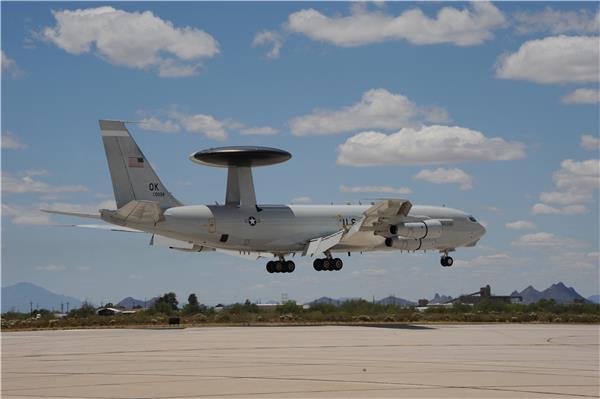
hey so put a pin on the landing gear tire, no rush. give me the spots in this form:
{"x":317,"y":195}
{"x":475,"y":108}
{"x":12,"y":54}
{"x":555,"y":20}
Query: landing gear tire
{"x":318,"y":264}
{"x":279,"y":266}
{"x":337,"y":264}
{"x":328,"y":264}
{"x":271,"y":266}
{"x":447,"y":261}
{"x":290,"y":266}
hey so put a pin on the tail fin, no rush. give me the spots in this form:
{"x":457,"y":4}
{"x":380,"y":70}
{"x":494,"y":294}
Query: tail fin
{"x":132,"y":176}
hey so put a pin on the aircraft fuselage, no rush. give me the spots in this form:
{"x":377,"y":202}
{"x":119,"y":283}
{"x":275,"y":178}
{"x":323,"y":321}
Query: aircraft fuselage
{"x":287,"y":228}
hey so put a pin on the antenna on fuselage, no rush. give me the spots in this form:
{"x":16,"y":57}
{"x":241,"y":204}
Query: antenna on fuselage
{"x":239,"y":162}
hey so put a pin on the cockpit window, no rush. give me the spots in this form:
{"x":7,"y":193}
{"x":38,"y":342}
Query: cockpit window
{"x":472,"y":219}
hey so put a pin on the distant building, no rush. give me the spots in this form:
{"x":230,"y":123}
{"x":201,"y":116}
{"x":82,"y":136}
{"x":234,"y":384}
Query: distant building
{"x":113,"y":312}
{"x":485,"y":293}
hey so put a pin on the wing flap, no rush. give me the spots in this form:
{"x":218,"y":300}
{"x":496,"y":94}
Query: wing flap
{"x":322,"y":244}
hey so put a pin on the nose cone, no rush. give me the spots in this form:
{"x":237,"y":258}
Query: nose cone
{"x":480,"y":230}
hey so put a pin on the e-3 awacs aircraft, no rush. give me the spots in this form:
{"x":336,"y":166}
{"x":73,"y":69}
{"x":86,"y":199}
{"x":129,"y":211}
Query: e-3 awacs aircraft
{"x":243,"y":227}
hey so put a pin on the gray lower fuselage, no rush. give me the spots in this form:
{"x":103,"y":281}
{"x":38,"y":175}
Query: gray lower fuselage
{"x":287,"y":228}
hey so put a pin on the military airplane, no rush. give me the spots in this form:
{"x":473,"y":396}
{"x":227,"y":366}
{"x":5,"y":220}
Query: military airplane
{"x":245,"y":228}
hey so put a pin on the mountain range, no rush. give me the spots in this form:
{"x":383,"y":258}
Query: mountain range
{"x":594,"y":298}
{"x":21,"y":297}
{"x":132,"y":303}
{"x":559,"y":292}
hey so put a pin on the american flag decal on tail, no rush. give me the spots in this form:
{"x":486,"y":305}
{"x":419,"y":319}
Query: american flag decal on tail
{"x":135,"y":162}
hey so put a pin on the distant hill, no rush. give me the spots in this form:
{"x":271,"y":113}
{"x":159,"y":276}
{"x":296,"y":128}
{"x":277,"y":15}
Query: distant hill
{"x":325,"y":300}
{"x":331,"y":301}
{"x":529,"y":294}
{"x":594,"y":298}
{"x":393,"y":300}
{"x":131,"y":303}
{"x":440,"y":298}
{"x":559,"y":292}
{"x":18,"y":297}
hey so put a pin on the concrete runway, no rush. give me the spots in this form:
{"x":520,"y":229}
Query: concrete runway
{"x":524,"y":361}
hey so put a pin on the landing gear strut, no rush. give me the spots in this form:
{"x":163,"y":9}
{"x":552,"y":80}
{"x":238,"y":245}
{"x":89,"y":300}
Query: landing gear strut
{"x":328,"y":264}
{"x":281,"y":266}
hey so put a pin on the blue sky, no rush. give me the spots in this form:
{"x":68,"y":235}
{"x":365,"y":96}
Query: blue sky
{"x":490,"y":108}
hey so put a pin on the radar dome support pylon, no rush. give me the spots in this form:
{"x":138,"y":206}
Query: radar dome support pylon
{"x":239,"y":162}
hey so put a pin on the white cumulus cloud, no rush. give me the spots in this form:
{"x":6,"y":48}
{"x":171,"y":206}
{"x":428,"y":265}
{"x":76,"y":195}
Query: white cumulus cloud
{"x":590,"y":142}
{"x":23,"y":215}
{"x":51,"y":268}
{"x":446,"y":176}
{"x":9,"y":66}
{"x":377,"y":109}
{"x":575,"y":182}
{"x":520,"y":225}
{"x":462,"y":27}
{"x":556,"y":59}
{"x":582,"y":96}
{"x":259,"y":131}
{"x":11,"y":142}
{"x":544,"y":209}
{"x":301,"y":200}
{"x":547,"y":240}
{"x":155,"y":124}
{"x":426,"y":145}
{"x":269,"y":38}
{"x":556,"y":22}
{"x":207,"y":125}
{"x":376,"y":189}
{"x":12,"y":184}
{"x":133,"y":39}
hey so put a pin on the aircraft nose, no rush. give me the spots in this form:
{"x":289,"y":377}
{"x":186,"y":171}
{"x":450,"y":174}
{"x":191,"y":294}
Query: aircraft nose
{"x":481,"y":230}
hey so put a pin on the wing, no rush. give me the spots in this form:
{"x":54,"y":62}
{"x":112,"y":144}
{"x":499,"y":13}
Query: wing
{"x":384,"y":212}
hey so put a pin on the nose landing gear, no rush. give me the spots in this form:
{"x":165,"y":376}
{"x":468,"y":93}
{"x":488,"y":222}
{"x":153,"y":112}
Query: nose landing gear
{"x":446,"y":260}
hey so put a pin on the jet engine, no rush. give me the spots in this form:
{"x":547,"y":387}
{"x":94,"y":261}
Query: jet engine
{"x":409,"y":244}
{"x":426,"y":229}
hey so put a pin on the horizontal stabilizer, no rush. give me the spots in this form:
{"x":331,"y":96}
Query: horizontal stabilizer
{"x":140,"y":212}
{"x":103,"y":227}
{"x":77,"y":214}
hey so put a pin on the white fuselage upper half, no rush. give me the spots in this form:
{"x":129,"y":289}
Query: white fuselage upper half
{"x":283,"y":229}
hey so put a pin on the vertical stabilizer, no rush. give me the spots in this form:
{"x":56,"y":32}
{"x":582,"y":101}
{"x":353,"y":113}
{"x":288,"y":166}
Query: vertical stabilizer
{"x":132,"y":175}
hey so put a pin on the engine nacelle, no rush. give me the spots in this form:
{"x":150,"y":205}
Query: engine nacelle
{"x":426,"y":229}
{"x":410,"y":244}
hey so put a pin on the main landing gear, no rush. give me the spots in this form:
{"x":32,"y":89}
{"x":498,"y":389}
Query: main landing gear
{"x":328,"y":264}
{"x":281,"y":266}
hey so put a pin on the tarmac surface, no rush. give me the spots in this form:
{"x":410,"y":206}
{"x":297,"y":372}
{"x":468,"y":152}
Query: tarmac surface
{"x":458,"y":361}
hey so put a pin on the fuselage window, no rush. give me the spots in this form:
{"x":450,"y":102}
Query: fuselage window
{"x":472,"y":219}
